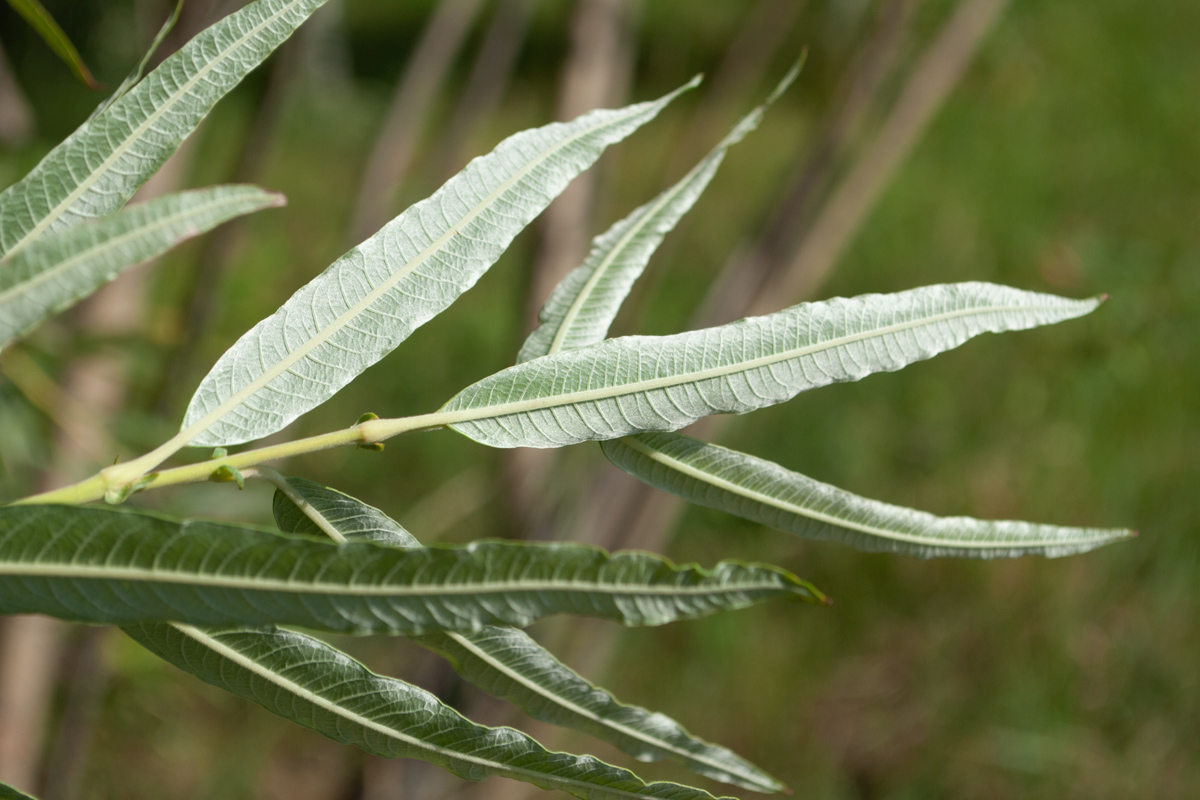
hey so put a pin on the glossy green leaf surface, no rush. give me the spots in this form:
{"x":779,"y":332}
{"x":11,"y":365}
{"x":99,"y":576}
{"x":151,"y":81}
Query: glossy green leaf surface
{"x":644,"y":383}
{"x":765,"y":492}
{"x":315,"y":685}
{"x":63,"y":267}
{"x":506,"y":662}
{"x":99,"y":166}
{"x":370,"y":300}
{"x":582,"y":307}
{"x":113,"y":566}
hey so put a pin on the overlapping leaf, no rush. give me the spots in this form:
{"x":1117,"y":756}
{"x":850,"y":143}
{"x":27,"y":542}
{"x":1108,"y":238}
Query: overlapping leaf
{"x":111,"y":566}
{"x":354,"y":519}
{"x":99,"y":167}
{"x":311,"y":683}
{"x":506,"y":662}
{"x":583,"y":305}
{"x":62,"y":268}
{"x":644,"y":383}
{"x":371,"y":299}
{"x":765,"y":492}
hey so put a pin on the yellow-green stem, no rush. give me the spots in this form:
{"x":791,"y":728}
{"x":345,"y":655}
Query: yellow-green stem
{"x":97,"y":486}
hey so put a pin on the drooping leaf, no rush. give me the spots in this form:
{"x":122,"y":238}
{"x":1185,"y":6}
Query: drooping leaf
{"x":765,"y":492}
{"x":41,"y":21}
{"x":648,"y":383}
{"x":63,"y":267}
{"x":353,"y":518}
{"x":582,"y":307}
{"x":507,"y":663}
{"x":99,"y":166}
{"x":136,"y":75}
{"x":372,"y":298}
{"x":309,"y":682}
{"x":114,"y":567}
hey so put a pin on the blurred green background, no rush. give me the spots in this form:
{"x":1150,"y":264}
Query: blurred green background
{"x":1067,"y":159}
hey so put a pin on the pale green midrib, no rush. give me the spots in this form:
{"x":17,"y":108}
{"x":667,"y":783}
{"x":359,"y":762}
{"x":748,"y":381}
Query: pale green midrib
{"x":583,"y":712}
{"x":109,"y":244}
{"x":840,"y":522}
{"x":274,"y":677}
{"x":87,"y":571}
{"x":250,"y":389}
{"x":129,"y":141}
{"x":475,"y":413}
{"x":569,"y":318}
{"x":739,"y":132}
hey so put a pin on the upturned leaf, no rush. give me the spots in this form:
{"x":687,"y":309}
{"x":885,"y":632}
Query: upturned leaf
{"x":99,"y":166}
{"x":115,"y":567}
{"x":63,"y":267}
{"x":309,"y":682}
{"x":371,"y":299}
{"x":647,"y":383}
{"x":759,"y":490}
{"x":583,"y":305}
{"x":508,"y":663}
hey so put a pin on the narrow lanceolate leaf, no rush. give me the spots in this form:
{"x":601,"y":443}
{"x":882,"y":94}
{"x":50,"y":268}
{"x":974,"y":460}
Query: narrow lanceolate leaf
{"x":41,"y":21}
{"x":354,"y":519}
{"x":765,"y":492}
{"x":311,"y":683}
{"x":647,"y":383}
{"x":61,"y":268}
{"x":371,"y":299}
{"x":582,"y":307}
{"x":99,"y":167}
{"x":505,"y":662}
{"x":136,"y":74}
{"x":115,"y":567}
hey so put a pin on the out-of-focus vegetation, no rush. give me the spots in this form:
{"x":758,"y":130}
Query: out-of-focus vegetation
{"x":1066,"y":160}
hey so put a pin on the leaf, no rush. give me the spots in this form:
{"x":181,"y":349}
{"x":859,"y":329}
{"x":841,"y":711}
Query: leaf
{"x":583,"y":305}
{"x":114,"y":567}
{"x":309,"y":682}
{"x":99,"y":167}
{"x":353,"y":518}
{"x":41,"y":21}
{"x":765,"y":492}
{"x":646,"y":383}
{"x":507,"y":663}
{"x":371,"y":299}
{"x":64,"y":267}
{"x":9,"y":793}
{"x":136,"y":75}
